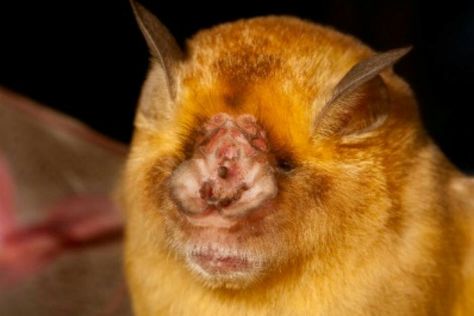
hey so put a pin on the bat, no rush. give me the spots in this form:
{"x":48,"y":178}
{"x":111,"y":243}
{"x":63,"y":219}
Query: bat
{"x":279,"y":167}
{"x":60,"y":231}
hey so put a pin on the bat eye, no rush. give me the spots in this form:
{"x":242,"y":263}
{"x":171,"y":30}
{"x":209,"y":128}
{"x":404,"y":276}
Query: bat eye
{"x":285,"y":164}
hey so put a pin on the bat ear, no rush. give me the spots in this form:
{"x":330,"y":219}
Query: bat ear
{"x":157,"y":101}
{"x":360,"y":100}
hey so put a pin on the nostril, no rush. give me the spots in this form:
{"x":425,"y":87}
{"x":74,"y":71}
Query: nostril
{"x":222,"y":172}
{"x":225,"y":202}
{"x":206,"y":191}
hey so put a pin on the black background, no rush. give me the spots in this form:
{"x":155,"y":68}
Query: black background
{"x":87,"y":58}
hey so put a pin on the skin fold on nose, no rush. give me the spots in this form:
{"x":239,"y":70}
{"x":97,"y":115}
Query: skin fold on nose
{"x":228,"y":145}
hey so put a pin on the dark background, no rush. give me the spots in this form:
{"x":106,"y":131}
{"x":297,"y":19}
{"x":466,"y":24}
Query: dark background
{"x":87,"y":58}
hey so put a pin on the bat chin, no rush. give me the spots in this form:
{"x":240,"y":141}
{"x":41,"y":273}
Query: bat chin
{"x":220,"y":266}
{"x":220,"y":250}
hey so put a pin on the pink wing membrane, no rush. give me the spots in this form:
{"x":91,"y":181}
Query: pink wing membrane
{"x":58,"y":220}
{"x":7,"y":216}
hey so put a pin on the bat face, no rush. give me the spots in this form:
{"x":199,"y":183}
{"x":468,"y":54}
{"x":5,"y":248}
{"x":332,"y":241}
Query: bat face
{"x":233,"y":199}
{"x":254,"y":154}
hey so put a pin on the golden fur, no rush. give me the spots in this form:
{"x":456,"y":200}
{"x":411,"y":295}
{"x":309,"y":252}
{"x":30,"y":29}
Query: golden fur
{"x":373,"y":224}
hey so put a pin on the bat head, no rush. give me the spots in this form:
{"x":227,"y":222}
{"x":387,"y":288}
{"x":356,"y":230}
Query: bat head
{"x":269,"y":143}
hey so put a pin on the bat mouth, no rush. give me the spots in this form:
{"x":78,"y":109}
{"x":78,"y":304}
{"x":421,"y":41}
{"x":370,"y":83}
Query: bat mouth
{"x":211,"y":218}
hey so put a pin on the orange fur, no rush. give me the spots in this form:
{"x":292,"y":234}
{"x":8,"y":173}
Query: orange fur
{"x":372,"y":224}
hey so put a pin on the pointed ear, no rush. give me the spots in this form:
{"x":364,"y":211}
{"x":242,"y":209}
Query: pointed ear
{"x":360,"y":100}
{"x":167,"y":54}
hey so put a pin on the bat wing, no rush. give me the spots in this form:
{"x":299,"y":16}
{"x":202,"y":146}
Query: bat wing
{"x":60,"y":231}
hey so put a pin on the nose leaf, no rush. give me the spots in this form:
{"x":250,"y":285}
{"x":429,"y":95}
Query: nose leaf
{"x":233,"y":150}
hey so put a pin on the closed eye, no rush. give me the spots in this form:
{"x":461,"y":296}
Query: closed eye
{"x":285,"y":164}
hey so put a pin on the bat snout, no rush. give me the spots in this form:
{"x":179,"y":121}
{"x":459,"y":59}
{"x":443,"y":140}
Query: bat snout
{"x":229,"y":176}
